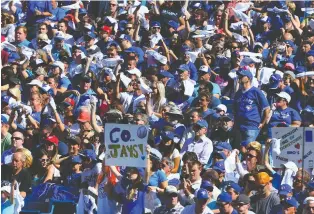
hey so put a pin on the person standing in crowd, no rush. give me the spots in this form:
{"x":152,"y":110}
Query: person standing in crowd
{"x":251,"y":108}
{"x":208,"y":80}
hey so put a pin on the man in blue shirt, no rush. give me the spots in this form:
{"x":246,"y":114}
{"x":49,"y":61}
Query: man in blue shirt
{"x":20,"y":37}
{"x":251,"y":108}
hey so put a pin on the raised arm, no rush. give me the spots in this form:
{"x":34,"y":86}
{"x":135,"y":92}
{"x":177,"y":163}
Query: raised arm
{"x":226,"y":27}
{"x":98,"y":129}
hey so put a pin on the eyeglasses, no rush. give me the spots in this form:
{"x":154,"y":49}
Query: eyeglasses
{"x":286,"y":77}
{"x":310,"y":208}
{"x":137,"y":119}
{"x":156,"y":28}
{"x":16,"y":138}
{"x":222,"y":204}
{"x":173,"y":195}
{"x":250,"y":156}
{"x":44,"y":160}
{"x":298,"y":181}
{"x":279,"y":99}
{"x":240,"y":204}
{"x":128,"y":28}
{"x":261,"y":187}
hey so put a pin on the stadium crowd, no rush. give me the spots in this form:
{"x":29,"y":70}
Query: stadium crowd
{"x":210,"y":79}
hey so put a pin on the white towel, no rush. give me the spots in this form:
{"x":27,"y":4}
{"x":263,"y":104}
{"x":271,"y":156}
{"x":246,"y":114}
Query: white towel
{"x":276,"y":145}
{"x":242,"y":16}
{"x":288,"y":177}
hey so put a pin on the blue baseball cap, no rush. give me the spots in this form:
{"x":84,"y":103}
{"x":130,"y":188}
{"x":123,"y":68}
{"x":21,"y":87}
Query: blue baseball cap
{"x":4,"y":118}
{"x":76,"y":159}
{"x":82,"y":11}
{"x":221,"y":154}
{"x":202,"y":123}
{"x":90,"y":34}
{"x":234,"y":186}
{"x":291,"y":201}
{"x":265,"y":19}
{"x":204,"y":69}
{"x":310,"y":53}
{"x":300,"y":69}
{"x":311,"y":185}
{"x":290,"y":43}
{"x":206,"y":185}
{"x":224,"y":197}
{"x":173,"y":24}
{"x":274,"y":81}
{"x":89,"y":153}
{"x":224,"y":145}
{"x":245,"y":143}
{"x":220,"y":166}
{"x":165,"y":74}
{"x":168,"y":135}
{"x":245,"y":72}
{"x":155,"y":24}
{"x":285,"y":189}
{"x":202,"y":194}
{"x":184,"y":68}
{"x":185,"y":48}
{"x":5,"y":98}
{"x":125,"y":37}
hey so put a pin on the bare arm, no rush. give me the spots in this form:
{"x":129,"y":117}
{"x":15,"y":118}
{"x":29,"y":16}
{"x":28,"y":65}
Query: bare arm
{"x":265,"y":116}
{"x":182,"y":24}
{"x":226,"y":27}
{"x":176,"y":165}
{"x":98,"y":129}
{"x":266,"y":155}
{"x":49,"y":175}
{"x":11,"y":122}
{"x":274,"y":61}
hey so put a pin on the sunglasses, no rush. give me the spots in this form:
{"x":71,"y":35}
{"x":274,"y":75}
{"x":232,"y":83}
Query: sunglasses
{"x":261,"y":187}
{"x":222,"y":204}
{"x":250,"y":156}
{"x":240,"y":204}
{"x":156,"y":28}
{"x":16,"y":138}
{"x":128,"y":28}
{"x":173,"y":195}
{"x":310,"y":208}
{"x":44,"y":160}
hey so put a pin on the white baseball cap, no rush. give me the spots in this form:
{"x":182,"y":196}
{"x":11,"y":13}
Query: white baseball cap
{"x":58,"y":64}
{"x":222,"y":107}
{"x":6,"y":189}
{"x":284,"y":95}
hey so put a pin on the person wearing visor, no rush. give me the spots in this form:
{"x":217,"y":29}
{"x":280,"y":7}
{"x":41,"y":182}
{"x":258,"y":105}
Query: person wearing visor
{"x":172,"y":204}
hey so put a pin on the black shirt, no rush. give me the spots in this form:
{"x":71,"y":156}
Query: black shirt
{"x":23,"y":178}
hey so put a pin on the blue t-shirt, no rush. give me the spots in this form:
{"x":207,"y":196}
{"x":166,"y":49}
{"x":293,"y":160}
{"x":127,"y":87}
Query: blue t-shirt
{"x":135,"y":205}
{"x":64,"y":82}
{"x":7,"y":207}
{"x":41,"y":6}
{"x":157,"y":178}
{"x":286,"y":116}
{"x":248,"y":107}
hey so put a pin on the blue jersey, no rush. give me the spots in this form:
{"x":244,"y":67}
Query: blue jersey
{"x":286,"y":116}
{"x":248,"y":108}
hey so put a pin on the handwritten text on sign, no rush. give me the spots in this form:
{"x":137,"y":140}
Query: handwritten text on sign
{"x":291,"y":146}
{"x":126,"y":145}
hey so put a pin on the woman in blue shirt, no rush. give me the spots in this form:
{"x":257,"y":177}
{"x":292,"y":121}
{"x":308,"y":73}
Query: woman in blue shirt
{"x":131,"y":192}
{"x":284,"y":115}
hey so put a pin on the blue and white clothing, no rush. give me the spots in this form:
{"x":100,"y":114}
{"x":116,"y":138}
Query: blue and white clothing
{"x":284,"y":116}
{"x":248,"y":108}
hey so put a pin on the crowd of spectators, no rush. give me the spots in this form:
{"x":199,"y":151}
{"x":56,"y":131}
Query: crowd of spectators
{"x":210,"y":79}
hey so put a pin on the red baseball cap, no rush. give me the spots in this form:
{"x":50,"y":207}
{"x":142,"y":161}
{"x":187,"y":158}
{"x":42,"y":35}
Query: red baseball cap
{"x":84,"y":116}
{"x":106,"y":29}
{"x":69,"y":101}
{"x":53,"y":139}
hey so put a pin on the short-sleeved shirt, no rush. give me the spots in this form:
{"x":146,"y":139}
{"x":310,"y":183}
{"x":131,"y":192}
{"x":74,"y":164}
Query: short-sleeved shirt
{"x":286,"y":116}
{"x":248,"y":108}
{"x":7,"y":207}
{"x":157,"y":178}
{"x":6,"y":142}
{"x":23,"y":178}
{"x":264,"y":205}
{"x":90,"y":175}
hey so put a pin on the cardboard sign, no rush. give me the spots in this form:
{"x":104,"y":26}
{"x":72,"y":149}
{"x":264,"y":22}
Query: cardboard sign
{"x":292,"y":141}
{"x":126,"y":144}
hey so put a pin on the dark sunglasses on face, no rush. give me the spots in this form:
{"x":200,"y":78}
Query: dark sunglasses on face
{"x":250,"y":156}
{"x":173,"y":195}
{"x":310,"y":208}
{"x":44,"y":160}
{"x":16,"y":138}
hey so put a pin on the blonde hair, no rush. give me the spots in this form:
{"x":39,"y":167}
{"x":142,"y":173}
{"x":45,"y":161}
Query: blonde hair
{"x":28,"y":157}
{"x":161,"y":95}
{"x":291,"y":6}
